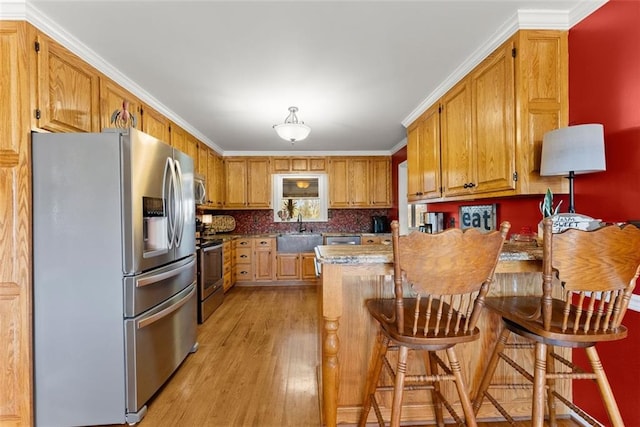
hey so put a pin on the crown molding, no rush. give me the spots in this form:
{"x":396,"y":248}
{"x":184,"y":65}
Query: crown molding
{"x":13,"y":10}
{"x":290,"y":153}
{"x":523,"y":19}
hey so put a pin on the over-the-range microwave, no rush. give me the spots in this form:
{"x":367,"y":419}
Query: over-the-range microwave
{"x":199,"y":189}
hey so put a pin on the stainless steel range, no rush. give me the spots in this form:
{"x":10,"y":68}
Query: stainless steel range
{"x":210,"y":277}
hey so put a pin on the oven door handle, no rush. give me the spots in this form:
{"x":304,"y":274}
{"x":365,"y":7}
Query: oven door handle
{"x":164,"y":313}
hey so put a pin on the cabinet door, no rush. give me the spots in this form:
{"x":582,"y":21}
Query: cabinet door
{"x":456,"y":145}
{"x":308,"y":266}
{"x":423,"y":155}
{"x":155,"y":124}
{"x":263,"y":264}
{"x":191,"y":148}
{"x":493,"y":98}
{"x":203,"y":155}
{"x":178,"y":137}
{"x":236,"y":183}
{"x":214,"y":185}
{"x":380,"y":185}
{"x":68,"y":90}
{"x":359,"y":182}
{"x":288,"y":267}
{"x":317,"y":164}
{"x":339,"y":183}
{"x":112,"y":97}
{"x":258,"y":183}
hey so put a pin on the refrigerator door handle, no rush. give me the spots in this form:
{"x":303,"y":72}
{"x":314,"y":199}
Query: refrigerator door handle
{"x":169,"y":199}
{"x":166,"y":312}
{"x":179,"y":204}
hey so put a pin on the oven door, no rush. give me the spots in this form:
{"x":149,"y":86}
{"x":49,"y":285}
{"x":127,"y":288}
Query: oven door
{"x":210,"y":281}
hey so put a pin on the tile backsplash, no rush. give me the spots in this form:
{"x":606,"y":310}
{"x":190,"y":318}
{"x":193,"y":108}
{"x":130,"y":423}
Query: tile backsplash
{"x":340,"y":220}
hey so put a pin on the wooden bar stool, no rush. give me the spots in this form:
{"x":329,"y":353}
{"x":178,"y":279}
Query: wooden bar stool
{"x":597,"y":271}
{"x":450,"y":274}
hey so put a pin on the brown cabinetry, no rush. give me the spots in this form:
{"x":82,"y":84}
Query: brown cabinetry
{"x":478,"y":129}
{"x":298,"y":164}
{"x":112,"y":98}
{"x":255,"y":259}
{"x":248,"y":183}
{"x":492,"y":122}
{"x":383,"y":239}
{"x":154,"y":123}
{"x":226,"y":266}
{"x":359,"y":182}
{"x":67,"y":90}
{"x":297,"y":266}
{"x":423,"y":157}
{"x":214,"y":179}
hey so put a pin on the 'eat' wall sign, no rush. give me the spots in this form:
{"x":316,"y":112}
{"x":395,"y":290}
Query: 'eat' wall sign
{"x":482,"y":217}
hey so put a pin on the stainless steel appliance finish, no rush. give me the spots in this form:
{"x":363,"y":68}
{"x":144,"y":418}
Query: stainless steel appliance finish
{"x":210,"y":278}
{"x":199,"y":189}
{"x":342,"y":240}
{"x":114,"y":273}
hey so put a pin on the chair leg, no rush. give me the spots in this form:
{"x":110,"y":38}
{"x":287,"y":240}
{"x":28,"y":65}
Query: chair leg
{"x":605,"y":388}
{"x":399,"y":386}
{"x":462,"y":389}
{"x":551,"y":400}
{"x":490,"y":369}
{"x":431,"y":367}
{"x":539,"y":380}
{"x":379,"y":352}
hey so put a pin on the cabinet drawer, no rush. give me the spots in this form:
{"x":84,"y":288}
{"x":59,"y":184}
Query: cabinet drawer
{"x":264,"y":242}
{"x":243,"y":255}
{"x":242,"y":243}
{"x":244,"y":273}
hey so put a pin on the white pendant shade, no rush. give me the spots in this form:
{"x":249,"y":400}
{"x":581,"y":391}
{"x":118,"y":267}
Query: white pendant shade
{"x":292,"y":129}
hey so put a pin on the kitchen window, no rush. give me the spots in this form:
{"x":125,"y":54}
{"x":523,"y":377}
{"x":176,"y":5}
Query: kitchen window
{"x":300,"y":198}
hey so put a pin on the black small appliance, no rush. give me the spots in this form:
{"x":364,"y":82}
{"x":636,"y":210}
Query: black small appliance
{"x":380,"y":224}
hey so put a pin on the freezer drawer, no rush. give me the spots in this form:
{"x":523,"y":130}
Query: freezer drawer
{"x":156,"y":343}
{"x":147,"y":290}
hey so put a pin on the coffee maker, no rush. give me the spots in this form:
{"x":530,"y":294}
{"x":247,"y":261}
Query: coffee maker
{"x":380,"y":224}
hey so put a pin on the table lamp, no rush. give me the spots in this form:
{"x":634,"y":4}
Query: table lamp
{"x":571,"y":151}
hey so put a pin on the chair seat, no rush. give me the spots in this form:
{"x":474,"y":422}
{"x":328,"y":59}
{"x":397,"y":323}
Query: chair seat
{"x":382,"y":309}
{"x":522,"y":316}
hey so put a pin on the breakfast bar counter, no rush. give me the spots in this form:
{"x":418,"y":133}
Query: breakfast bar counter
{"x":349,"y":275}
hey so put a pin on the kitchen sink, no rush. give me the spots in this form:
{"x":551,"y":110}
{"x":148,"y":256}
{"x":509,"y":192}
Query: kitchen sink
{"x":298,"y":242}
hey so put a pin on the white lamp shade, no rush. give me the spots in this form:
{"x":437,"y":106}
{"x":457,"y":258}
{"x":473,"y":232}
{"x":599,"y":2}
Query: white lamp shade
{"x":292,"y":131}
{"x":578,"y":149}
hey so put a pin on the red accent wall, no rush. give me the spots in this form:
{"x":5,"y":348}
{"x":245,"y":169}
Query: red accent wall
{"x":604,"y":87}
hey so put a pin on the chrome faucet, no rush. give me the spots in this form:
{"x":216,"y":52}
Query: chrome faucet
{"x":301,"y":226}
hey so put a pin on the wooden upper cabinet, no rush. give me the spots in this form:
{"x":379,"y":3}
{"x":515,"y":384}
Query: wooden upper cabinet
{"x":380,"y":188}
{"x":154,"y":123}
{"x":178,"y":137}
{"x":339,"y":183}
{"x":493,"y":116}
{"x":191,"y":148}
{"x":542,"y":103}
{"x":259,"y":183}
{"x":493,"y":121}
{"x":458,"y":175}
{"x":423,"y":157}
{"x":359,"y":182}
{"x":248,"y":182}
{"x":201,"y":164}
{"x":67,"y":90}
{"x":112,"y":98}
{"x":298,"y":164}
{"x":215,"y":185}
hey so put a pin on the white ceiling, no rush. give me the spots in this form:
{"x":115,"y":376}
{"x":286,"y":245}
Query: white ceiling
{"x":357,"y":70}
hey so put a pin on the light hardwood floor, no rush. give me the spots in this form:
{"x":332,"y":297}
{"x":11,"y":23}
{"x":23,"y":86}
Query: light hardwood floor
{"x":255,"y":366}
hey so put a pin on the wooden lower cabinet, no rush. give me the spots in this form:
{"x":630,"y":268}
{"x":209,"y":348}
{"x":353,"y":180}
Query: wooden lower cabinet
{"x":254,"y":259}
{"x":227,"y":266}
{"x":296,"y":266}
{"x":308,"y":266}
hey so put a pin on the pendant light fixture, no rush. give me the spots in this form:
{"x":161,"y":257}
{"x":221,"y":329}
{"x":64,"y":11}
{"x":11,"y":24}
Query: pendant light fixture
{"x":292,"y":129}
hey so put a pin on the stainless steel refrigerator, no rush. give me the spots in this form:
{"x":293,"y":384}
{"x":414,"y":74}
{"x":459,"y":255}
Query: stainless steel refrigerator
{"x":114,"y":273}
